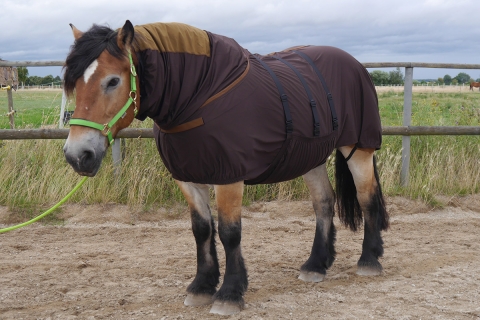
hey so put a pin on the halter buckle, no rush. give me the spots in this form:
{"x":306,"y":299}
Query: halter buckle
{"x":132,"y":70}
{"x":106,"y":130}
{"x":133,"y":95}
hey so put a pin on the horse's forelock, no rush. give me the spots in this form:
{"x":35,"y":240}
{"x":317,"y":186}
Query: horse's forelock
{"x":85,"y":50}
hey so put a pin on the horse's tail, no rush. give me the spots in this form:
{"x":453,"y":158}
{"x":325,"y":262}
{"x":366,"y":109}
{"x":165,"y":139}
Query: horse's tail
{"x":349,"y":210}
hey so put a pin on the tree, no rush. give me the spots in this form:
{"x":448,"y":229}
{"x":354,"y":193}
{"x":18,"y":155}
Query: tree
{"x":395,"y":77}
{"x":454,"y":81}
{"x":462,"y":78}
{"x":47,"y":79}
{"x":447,"y":79}
{"x":478,"y":80}
{"x":379,"y":77}
{"x":440,"y":81}
{"x":22,"y":75}
{"x":33,"y":80}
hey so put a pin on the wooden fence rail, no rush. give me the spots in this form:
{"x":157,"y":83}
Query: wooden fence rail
{"x":134,"y":133}
{"x":60,"y":63}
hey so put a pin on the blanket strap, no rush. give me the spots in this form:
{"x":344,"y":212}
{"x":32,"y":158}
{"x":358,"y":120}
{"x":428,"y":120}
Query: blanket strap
{"x":325,"y":87}
{"x":313,"y":104}
{"x":184,"y":126}
{"x":351,"y":153}
{"x":283,"y":96}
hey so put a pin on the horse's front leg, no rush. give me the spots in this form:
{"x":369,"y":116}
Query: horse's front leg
{"x":229,"y":299}
{"x":203,"y":287}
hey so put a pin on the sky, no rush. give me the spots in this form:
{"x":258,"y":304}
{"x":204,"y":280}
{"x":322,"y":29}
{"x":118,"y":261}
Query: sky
{"x":372,"y":31}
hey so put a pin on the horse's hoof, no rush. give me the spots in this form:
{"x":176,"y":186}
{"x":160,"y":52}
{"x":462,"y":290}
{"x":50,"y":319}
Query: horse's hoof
{"x":195,"y":300}
{"x":370,"y":270}
{"x":226,"y":308}
{"x":311,"y":276}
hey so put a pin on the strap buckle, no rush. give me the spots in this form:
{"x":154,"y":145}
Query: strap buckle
{"x":335,"y":123}
{"x":316,"y":129}
{"x":289,"y":125}
{"x":106,"y":129}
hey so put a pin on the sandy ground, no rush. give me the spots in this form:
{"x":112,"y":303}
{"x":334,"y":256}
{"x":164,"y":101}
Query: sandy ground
{"x":112,"y":262}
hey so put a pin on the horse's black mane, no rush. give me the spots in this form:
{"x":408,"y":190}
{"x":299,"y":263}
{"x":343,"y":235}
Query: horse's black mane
{"x":85,"y":50}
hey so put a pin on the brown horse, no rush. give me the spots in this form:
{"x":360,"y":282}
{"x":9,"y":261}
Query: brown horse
{"x":474,"y":84}
{"x":225,"y":118}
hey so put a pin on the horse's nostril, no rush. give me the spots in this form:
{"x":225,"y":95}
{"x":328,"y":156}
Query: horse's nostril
{"x":87,"y":159}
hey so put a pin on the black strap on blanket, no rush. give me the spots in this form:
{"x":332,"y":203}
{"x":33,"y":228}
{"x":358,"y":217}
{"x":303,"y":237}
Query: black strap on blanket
{"x":351,"y":153}
{"x":313,"y":104}
{"x":283,"y":96}
{"x":325,"y":87}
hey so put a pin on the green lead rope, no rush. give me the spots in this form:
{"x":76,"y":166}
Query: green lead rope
{"x":46,"y":213}
{"x":104,"y":128}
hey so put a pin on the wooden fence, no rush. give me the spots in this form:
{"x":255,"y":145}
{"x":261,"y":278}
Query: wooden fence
{"x":405,"y":131}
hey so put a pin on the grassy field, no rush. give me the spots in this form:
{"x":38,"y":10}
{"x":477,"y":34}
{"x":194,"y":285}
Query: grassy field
{"x":33,"y":108}
{"x":34,"y":174}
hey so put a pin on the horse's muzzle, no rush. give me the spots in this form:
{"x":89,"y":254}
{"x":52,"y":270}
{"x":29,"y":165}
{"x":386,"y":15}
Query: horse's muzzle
{"x":85,"y":162}
{"x":84,"y":150}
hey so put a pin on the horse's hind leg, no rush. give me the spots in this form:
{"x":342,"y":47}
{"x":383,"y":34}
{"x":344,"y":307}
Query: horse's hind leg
{"x":229,"y":298}
{"x":323,"y":251}
{"x":363,"y":169}
{"x":203,"y":287}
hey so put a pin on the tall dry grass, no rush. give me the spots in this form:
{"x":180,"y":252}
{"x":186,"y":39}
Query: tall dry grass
{"x":438,"y":166}
{"x":34,"y":173}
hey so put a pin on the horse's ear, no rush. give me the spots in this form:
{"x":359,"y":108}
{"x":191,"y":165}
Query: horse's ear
{"x":76,"y":33}
{"x":125,"y":36}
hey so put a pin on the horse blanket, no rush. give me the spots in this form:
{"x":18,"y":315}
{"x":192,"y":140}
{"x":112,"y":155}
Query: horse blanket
{"x":219,"y":117}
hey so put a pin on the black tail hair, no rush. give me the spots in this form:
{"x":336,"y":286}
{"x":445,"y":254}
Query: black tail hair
{"x":348,"y":208}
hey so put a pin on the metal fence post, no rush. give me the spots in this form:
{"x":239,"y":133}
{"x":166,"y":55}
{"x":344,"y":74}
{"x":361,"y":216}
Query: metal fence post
{"x":117,"y":156}
{"x":407,"y":120}
{"x":62,"y":110}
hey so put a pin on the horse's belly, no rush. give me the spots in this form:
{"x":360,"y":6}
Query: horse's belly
{"x":297,"y":156}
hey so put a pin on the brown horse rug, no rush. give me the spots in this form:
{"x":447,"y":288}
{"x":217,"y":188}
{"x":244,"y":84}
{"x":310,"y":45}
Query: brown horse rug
{"x":224,"y":115}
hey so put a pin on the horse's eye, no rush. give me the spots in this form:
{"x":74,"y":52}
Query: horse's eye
{"x":113,"y":82}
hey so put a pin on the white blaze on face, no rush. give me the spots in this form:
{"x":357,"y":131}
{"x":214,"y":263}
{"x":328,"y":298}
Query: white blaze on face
{"x":90,"y":71}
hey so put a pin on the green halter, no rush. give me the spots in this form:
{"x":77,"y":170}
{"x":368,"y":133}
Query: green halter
{"x":105,"y":128}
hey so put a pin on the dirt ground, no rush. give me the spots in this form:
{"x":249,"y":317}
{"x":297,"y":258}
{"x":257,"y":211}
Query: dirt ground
{"x":112,"y":262}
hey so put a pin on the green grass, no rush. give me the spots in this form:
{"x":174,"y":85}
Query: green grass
{"x":432,"y":109}
{"x":34,"y":174}
{"x":33,"y":108}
